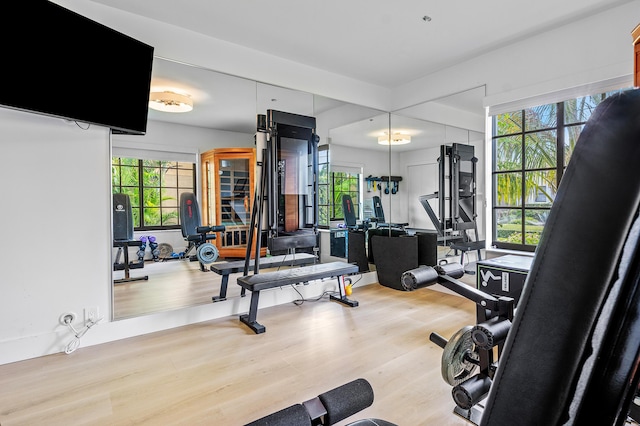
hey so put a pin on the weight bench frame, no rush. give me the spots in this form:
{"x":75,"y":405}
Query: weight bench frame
{"x":227,"y":268}
{"x":266,"y":280}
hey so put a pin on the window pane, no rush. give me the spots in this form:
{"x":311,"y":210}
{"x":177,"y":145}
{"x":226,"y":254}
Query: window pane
{"x":128,"y":176}
{"x":508,"y":152}
{"x":151,"y":176}
{"x":170,"y":177}
{"x":571,"y":135}
{"x":185,"y":178}
{"x":129,"y":161}
{"x":508,"y":123}
{"x":535,"y":220}
{"x":509,"y":225}
{"x":151,"y":197}
{"x":508,"y":189}
{"x":151,"y":217}
{"x":115,"y":176}
{"x":136,"y":216}
{"x":323,"y":194}
{"x":541,"y":117}
{"x":540,"y":188}
{"x":133,"y":194}
{"x":323,"y":173}
{"x":541,"y":150}
{"x":169,"y":197}
{"x":169,"y":216}
{"x":579,"y":110}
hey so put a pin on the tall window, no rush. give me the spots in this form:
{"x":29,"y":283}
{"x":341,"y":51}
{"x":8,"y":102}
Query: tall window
{"x":324,"y":196}
{"x":331,"y":186}
{"x":154,"y":188}
{"x":531,"y":150}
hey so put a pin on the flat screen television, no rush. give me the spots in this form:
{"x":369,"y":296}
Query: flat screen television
{"x":59,"y":63}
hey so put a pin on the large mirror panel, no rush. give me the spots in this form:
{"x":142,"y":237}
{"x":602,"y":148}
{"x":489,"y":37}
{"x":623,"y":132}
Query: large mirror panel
{"x":442,"y":164}
{"x":224,"y":115}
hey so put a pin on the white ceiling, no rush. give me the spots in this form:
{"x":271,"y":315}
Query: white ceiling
{"x":384,"y":42}
{"x":380,"y":42}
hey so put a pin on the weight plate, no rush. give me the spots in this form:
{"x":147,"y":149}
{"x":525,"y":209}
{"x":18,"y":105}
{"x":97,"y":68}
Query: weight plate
{"x":207,"y":253}
{"x":456,"y":363}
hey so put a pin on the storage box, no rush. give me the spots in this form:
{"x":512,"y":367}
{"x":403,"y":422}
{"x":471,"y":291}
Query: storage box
{"x":504,"y":275}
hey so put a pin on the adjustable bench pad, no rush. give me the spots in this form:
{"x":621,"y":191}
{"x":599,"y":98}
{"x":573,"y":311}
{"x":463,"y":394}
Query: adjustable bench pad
{"x":225,"y":268}
{"x":273,"y":279}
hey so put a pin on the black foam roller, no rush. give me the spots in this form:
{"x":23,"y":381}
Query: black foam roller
{"x":471,"y":391}
{"x":453,"y":270}
{"x":346,"y":400}
{"x":294,"y":415}
{"x":419,"y":277}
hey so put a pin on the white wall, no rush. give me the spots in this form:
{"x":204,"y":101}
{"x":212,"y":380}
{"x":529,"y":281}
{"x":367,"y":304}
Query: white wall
{"x":56,"y":229}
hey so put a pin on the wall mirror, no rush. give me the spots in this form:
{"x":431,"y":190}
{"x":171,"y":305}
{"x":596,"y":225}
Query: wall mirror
{"x":224,"y":115}
{"x":456,"y":118}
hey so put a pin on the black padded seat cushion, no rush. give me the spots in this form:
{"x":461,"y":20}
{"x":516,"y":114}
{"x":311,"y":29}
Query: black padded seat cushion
{"x":573,"y":270}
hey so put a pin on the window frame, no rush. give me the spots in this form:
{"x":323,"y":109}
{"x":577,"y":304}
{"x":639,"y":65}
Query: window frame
{"x":561,"y":129}
{"x":140,"y":188}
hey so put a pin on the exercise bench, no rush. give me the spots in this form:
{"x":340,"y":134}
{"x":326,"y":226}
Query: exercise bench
{"x":263,"y":281}
{"x":231,"y":267}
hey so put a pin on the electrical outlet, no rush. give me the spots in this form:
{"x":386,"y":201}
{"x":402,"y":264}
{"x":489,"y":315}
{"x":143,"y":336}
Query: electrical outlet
{"x":91,"y":314}
{"x":67,"y":318}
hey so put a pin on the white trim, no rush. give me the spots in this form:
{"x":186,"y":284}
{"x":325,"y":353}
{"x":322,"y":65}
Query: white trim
{"x":499,"y":104}
{"x":146,"y":151}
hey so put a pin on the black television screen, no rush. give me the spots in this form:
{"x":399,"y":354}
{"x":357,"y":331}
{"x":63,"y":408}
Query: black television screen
{"x":59,"y":63}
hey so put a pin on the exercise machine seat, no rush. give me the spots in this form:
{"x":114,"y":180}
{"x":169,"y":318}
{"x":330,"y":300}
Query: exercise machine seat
{"x":571,"y":354}
{"x":123,"y":229}
{"x":348,"y":211}
{"x":192,"y":230}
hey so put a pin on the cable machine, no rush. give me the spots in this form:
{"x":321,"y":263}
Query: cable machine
{"x":285,"y":211}
{"x":457,"y":211}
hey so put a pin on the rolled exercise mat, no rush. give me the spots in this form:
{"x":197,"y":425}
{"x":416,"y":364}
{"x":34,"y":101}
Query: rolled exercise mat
{"x":419,"y":277}
{"x":453,"y":270}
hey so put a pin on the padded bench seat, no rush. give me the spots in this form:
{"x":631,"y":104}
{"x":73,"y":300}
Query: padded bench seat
{"x":232,"y":267}
{"x":263,"y":281}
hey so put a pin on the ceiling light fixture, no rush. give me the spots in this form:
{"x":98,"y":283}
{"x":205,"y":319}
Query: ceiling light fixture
{"x":396,"y":139}
{"x":170,"y":102}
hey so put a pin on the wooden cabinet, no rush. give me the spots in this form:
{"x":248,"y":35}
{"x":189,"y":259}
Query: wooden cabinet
{"x":636,"y":52}
{"x":228,"y":182}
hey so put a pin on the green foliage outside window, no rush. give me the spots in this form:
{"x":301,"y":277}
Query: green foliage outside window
{"x":531,"y":149}
{"x":154,"y":189}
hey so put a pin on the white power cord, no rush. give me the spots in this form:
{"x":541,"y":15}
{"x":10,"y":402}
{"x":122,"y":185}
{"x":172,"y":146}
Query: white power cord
{"x":75,"y":343}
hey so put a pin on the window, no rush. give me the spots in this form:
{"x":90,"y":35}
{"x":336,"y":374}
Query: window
{"x":344,"y":183}
{"x":531,"y":149}
{"x":331,"y":186}
{"x":324,"y":204}
{"x":154,"y":188}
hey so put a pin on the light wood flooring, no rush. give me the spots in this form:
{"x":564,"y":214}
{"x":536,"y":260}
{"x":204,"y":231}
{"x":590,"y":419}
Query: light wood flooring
{"x":173,"y":284}
{"x":220,"y":373}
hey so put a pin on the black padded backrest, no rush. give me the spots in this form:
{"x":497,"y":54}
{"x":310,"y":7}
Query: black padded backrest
{"x":189,"y":214}
{"x":122,"y":218}
{"x":377,"y":209}
{"x":574,"y":268}
{"x":296,"y":415}
{"x":349,"y":211}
